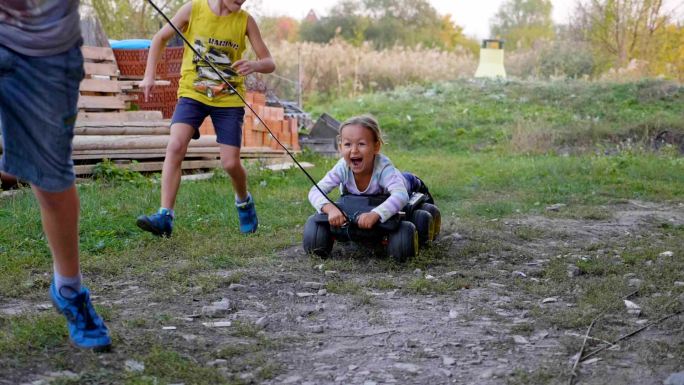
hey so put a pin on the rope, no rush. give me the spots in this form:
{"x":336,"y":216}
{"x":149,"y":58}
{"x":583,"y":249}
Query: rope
{"x":180,"y":34}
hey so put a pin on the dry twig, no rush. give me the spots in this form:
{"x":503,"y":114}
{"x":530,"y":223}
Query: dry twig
{"x":593,"y":353}
{"x":365,"y":335}
{"x":573,"y":373}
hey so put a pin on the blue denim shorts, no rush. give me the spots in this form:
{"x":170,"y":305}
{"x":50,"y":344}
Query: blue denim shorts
{"x":38,"y":108}
{"x":227,"y":121}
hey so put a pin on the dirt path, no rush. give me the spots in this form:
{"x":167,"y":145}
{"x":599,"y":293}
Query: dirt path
{"x":480,"y":311}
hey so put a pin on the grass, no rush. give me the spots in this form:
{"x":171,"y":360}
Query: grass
{"x":461,"y":145}
{"x":515,"y":116}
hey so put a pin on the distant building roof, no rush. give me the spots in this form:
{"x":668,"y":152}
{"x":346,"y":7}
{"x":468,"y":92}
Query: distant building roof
{"x":311,"y":17}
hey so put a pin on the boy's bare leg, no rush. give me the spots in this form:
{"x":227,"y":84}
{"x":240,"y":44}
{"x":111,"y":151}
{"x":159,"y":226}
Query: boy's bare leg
{"x":59,"y":212}
{"x":181,"y":134}
{"x":230,"y":161}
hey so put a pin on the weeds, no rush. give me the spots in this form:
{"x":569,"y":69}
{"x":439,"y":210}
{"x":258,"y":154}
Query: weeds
{"x":110,"y":172}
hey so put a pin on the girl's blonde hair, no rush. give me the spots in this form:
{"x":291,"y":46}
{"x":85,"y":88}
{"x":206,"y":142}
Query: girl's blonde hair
{"x":367,"y":121}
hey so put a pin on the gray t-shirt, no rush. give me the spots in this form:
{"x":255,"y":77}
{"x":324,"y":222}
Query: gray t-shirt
{"x":39,"y":27}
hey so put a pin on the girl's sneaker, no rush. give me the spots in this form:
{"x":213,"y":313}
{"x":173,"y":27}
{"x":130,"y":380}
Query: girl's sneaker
{"x":247,"y":215}
{"x":159,"y":224}
{"x":86,"y":328}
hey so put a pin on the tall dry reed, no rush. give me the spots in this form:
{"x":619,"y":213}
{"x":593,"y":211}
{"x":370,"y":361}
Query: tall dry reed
{"x":339,"y":69}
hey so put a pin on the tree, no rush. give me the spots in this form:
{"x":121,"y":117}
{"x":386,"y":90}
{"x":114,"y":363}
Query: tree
{"x":619,"y":30}
{"x":386,"y":23}
{"x":280,"y":28}
{"x":522,"y":22}
{"x":344,"y":21}
{"x":123,"y":19}
{"x":451,"y":36}
{"x":666,"y":53}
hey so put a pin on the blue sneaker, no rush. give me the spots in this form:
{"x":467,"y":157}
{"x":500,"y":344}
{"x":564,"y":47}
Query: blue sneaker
{"x":159,"y":224}
{"x":247,"y":215}
{"x":86,"y":328}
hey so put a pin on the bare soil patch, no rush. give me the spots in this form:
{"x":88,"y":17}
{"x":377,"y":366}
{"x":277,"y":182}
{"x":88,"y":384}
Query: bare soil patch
{"x":477,"y":311}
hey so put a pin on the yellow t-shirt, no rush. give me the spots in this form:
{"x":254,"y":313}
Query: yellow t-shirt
{"x":221,"y":40}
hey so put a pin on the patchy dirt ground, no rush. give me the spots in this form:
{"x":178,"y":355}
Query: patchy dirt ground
{"x":485,"y":308}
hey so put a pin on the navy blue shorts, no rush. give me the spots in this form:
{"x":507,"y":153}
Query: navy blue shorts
{"x":227,"y":120}
{"x":38,"y":108}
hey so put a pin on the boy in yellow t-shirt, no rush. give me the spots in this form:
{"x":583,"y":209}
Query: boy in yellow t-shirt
{"x":217,"y":30}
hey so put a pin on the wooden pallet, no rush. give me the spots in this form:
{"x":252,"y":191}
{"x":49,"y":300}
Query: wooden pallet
{"x":100,"y":89}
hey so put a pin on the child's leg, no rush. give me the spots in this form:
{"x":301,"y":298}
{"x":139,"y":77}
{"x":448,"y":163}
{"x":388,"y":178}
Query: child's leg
{"x":247,"y":216}
{"x":187,"y":118}
{"x":228,"y":125}
{"x":181,"y":134}
{"x":59,"y":212}
{"x":230,"y":161}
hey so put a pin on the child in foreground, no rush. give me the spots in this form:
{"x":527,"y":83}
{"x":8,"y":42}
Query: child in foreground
{"x":363,"y":170}
{"x":217,"y":30}
{"x":41,"y":67}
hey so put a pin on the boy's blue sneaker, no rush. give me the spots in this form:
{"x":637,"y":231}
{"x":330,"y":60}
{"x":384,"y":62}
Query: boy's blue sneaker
{"x":247,"y":215}
{"x":86,"y":328}
{"x":159,"y":224}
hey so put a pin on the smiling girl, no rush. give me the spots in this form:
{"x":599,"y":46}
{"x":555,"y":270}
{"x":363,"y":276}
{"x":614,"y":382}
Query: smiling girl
{"x":363,"y":170}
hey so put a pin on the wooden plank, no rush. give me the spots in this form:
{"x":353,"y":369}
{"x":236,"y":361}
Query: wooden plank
{"x":137,"y":78}
{"x":105,"y":69}
{"x":101,"y":102}
{"x":123,"y":123}
{"x":121,"y":130}
{"x":99,"y":85}
{"x":92,"y":157}
{"x":128,"y":97}
{"x":122,"y":116}
{"x":133,"y":151}
{"x":119,"y":142}
{"x":162,"y":151}
{"x":135,"y":84}
{"x":86,"y":169}
{"x":98,"y":54}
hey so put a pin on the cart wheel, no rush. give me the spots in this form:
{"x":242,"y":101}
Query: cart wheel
{"x":424,"y":226}
{"x":436,"y":217}
{"x":403,"y":243}
{"x":317,"y":238}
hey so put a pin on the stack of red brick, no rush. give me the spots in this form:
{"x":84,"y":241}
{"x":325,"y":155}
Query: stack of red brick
{"x":132,"y":62}
{"x":255,"y":134}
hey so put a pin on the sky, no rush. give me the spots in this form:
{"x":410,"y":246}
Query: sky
{"x":473,"y":16}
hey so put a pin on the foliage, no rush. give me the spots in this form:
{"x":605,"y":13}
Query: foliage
{"x":552,"y":60}
{"x":523,"y":22}
{"x":619,"y":30}
{"x":110,"y":172}
{"x":279,"y":28}
{"x":666,"y":54}
{"x":386,"y":23}
{"x":127,"y":19}
{"x":566,"y":58}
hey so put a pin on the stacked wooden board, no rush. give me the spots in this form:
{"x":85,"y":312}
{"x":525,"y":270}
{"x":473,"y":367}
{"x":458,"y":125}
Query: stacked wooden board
{"x":105,"y":129}
{"x":143,"y":139}
{"x":100,"y":89}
